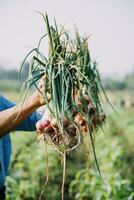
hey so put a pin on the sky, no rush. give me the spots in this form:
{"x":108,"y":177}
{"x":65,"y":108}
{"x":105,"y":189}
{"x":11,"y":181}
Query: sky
{"x":109,"y":22}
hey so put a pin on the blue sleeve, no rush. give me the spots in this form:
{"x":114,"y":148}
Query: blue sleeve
{"x":29,"y":123}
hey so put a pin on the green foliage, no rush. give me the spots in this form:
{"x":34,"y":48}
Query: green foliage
{"x":114,"y":150}
{"x":111,"y":84}
{"x":29,"y":167}
{"x":129,"y":80}
{"x":88,"y":186}
{"x":87,"y":183}
{"x":126,"y":83}
{"x":28,"y":170}
{"x":8,"y":76}
{"x":9,"y":85}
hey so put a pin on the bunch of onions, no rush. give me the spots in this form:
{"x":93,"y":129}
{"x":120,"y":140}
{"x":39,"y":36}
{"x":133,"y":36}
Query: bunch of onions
{"x":73,"y":81}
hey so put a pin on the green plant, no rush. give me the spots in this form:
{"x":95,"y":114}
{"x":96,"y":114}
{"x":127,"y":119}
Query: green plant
{"x":115,"y":168}
{"x":74,"y":84}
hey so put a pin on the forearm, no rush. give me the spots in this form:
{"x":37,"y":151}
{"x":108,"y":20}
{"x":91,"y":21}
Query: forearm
{"x":10,"y":118}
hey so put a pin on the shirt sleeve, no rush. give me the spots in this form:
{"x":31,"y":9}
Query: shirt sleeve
{"x":29,"y":124}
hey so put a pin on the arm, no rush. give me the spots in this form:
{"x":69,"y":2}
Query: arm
{"x":12,"y":117}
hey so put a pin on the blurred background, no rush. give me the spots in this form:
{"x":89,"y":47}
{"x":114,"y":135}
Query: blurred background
{"x":110,"y":26}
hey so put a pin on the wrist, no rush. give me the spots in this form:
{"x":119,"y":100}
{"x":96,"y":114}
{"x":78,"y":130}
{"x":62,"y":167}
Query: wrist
{"x":33,"y":102}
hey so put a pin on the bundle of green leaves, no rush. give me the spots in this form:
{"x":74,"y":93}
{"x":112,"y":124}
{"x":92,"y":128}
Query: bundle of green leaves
{"x":74,"y":84}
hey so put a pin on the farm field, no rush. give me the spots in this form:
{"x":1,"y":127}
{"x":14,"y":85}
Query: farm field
{"x":70,"y":78}
{"x":114,"y":149}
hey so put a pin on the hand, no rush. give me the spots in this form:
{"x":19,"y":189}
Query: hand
{"x":38,"y":96}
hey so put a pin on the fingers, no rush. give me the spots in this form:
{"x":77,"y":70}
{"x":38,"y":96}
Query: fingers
{"x":41,"y":90}
{"x":41,"y":84}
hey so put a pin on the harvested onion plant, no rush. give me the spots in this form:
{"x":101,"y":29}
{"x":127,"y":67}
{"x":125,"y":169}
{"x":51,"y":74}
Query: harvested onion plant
{"x":73,"y":82}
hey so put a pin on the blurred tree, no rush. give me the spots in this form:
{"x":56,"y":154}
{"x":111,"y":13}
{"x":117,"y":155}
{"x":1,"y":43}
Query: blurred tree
{"x":12,"y":74}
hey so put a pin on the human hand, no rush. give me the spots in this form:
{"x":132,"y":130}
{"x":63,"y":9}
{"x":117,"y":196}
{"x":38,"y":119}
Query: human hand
{"x":37,"y":98}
